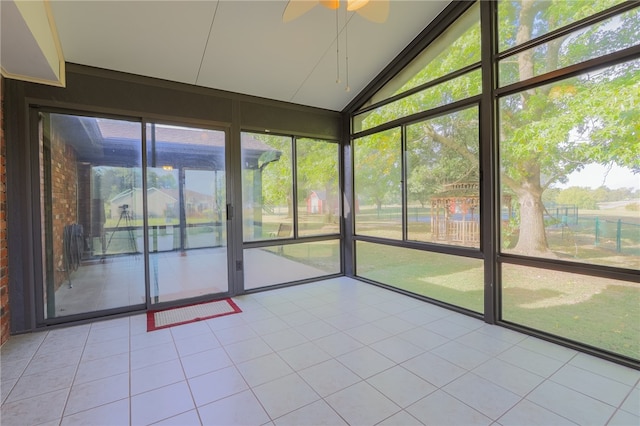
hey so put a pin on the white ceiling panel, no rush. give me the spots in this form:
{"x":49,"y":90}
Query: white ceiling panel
{"x":371,"y":47}
{"x":163,"y":39}
{"x":240,"y":45}
{"x":252,"y":51}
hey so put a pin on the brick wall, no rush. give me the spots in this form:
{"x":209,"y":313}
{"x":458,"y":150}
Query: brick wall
{"x":64,"y":188}
{"x":4,"y":251}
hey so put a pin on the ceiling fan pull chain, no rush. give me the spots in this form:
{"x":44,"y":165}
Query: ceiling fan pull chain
{"x":346,"y":48}
{"x":337,"y":50}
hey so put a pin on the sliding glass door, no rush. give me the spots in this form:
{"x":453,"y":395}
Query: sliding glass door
{"x":92,"y":239}
{"x":110,"y":225}
{"x":186,"y":212}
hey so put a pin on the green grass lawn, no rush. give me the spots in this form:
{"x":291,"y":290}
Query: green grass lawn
{"x":595,"y":311}
{"x":609,"y":320}
{"x":451,"y":279}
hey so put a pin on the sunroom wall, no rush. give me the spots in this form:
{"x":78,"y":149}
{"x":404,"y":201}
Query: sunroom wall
{"x":494,"y":204}
{"x":108,"y":93}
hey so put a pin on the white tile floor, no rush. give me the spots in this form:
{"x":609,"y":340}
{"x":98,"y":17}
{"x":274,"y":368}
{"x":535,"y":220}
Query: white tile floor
{"x":330,"y":353}
{"x":119,"y":281}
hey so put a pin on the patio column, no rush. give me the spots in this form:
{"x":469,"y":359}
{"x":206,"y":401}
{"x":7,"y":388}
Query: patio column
{"x":183,"y":212}
{"x":257,"y":203}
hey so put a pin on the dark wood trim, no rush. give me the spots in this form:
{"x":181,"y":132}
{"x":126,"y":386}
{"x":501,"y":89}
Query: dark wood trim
{"x":427,"y":85}
{"x":570,"y":267}
{"x":348,"y":199}
{"x":20,"y":221}
{"x":615,"y":58}
{"x":568,"y":29}
{"x":421,"y":116}
{"x":489,"y":189}
{"x":426,"y":37}
{"x":424,"y":246}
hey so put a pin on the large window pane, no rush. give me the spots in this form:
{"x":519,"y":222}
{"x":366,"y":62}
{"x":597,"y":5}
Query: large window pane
{"x":452,"y":279}
{"x":292,"y":262}
{"x":569,"y":154}
{"x":377,"y":180}
{"x":443,"y":197}
{"x":520,"y":20}
{"x":597,"y":40}
{"x":600,"y":312}
{"x":92,"y":214}
{"x":448,"y":92}
{"x":205,"y":208}
{"x":317,"y":183}
{"x":186,"y":209}
{"x":457,"y":47}
{"x":267,"y":187}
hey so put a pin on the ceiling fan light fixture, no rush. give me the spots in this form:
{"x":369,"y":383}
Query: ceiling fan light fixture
{"x":374,"y":11}
{"x":330,"y":4}
{"x":356,"y":4}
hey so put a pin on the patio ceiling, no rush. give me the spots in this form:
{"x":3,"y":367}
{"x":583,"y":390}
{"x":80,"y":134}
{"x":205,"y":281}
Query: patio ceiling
{"x":240,"y":46}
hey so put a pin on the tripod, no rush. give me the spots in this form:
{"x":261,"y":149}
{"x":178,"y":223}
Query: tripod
{"x":128,"y":223}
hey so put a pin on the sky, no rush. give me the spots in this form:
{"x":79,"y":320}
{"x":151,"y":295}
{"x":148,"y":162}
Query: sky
{"x":593,"y":176}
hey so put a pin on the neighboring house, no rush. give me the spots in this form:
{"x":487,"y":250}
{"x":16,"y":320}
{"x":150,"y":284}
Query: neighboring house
{"x":316,"y":201}
{"x":160,"y":202}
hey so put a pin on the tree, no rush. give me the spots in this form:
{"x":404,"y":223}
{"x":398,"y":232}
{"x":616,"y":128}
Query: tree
{"x":277,"y":181}
{"x":439,"y":151}
{"x":317,"y":170}
{"x":583,"y":198}
{"x":545,"y":132}
{"x":115,"y":180}
{"x":377,"y":164}
{"x":442,"y":151}
{"x":548,"y":132}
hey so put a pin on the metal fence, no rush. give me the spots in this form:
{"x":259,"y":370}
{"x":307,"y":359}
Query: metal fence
{"x":607,"y":234}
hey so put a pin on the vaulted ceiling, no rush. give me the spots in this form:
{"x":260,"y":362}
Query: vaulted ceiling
{"x":241,"y":46}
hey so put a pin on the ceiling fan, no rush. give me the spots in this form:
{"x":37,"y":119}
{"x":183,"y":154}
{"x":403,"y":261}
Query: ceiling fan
{"x":373,"y":10}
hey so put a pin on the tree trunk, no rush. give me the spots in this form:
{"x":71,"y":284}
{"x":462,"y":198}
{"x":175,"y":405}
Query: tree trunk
{"x":289,"y":205}
{"x":532,"y":238}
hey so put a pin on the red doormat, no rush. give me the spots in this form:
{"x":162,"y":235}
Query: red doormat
{"x":166,"y":318}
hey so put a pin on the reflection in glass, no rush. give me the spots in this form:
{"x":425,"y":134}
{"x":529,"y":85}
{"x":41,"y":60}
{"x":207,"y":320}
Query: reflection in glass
{"x":600,"y":312}
{"x":541,"y":17}
{"x":318,"y":187}
{"x":443,"y":198}
{"x":457,"y":47}
{"x":452,"y":279}
{"x":205,"y":208}
{"x":186,"y":212}
{"x":267,"y":187}
{"x":568,"y":169}
{"x":292,"y":262}
{"x":454,"y":90}
{"x":92,"y":214}
{"x":606,"y":37}
{"x":377,"y":185}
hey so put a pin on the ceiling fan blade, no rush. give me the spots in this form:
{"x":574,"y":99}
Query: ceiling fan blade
{"x":375,"y":10}
{"x":353,"y":5}
{"x":297,"y":8}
